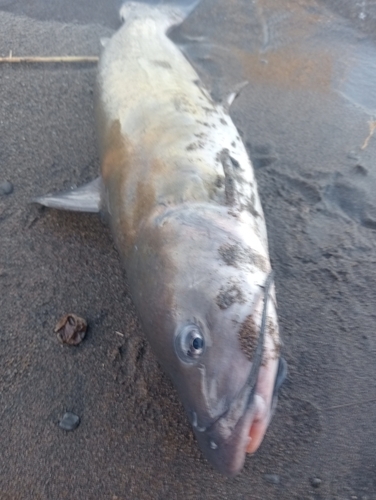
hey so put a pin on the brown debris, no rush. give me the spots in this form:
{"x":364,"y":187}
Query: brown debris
{"x":71,"y":329}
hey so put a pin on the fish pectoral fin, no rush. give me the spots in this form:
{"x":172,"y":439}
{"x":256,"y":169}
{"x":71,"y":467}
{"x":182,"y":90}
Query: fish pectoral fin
{"x":85,"y":198}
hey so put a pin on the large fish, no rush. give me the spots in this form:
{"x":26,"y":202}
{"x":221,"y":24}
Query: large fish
{"x":181,"y":198}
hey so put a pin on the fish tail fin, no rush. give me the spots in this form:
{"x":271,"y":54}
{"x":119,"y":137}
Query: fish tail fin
{"x":172,"y":12}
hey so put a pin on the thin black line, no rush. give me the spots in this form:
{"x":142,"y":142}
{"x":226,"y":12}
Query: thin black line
{"x":257,"y":358}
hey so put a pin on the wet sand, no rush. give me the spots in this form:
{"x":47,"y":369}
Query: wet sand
{"x":306,"y":118}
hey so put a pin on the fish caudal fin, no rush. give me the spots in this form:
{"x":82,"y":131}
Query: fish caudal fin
{"x":172,"y":13}
{"x":85,"y":198}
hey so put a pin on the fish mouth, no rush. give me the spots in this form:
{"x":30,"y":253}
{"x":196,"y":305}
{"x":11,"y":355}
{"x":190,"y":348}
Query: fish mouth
{"x":225,"y":445}
{"x":239,"y":430}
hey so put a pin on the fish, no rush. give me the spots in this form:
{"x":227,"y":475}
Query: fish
{"x":179,"y":192}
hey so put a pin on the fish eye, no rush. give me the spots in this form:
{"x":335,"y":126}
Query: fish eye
{"x":189,"y":343}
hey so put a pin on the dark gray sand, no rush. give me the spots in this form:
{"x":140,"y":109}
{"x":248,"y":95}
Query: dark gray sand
{"x":307,"y":119}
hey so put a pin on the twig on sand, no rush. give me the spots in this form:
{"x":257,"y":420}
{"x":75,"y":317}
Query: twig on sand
{"x":348,"y":404}
{"x":52,"y":59}
{"x":338,"y":407}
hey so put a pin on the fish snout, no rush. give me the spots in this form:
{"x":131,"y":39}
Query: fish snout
{"x":241,"y":428}
{"x":224,"y":445}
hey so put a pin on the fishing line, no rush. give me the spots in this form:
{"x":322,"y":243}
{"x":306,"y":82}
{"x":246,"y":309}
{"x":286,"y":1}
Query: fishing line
{"x":253,"y":374}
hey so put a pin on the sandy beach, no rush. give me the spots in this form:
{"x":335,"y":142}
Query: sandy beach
{"x":308,"y":118}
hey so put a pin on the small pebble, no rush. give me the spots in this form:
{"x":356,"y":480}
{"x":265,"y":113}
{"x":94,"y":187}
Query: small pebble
{"x":316,"y":481}
{"x":6,"y":187}
{"x":71,"y":329}
{"x":69,"y":422}
{"x":272,"y":478}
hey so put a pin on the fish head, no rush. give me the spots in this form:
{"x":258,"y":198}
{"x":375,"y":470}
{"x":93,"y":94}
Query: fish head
{"x":202,"y":311}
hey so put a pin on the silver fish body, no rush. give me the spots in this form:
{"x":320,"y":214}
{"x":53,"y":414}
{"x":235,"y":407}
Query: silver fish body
{"x":181,"y":198}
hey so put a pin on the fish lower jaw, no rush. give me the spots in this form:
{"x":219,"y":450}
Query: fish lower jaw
{"x":226,"y":446}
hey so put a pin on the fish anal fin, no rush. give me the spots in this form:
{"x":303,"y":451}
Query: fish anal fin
{"x":86,"y":198}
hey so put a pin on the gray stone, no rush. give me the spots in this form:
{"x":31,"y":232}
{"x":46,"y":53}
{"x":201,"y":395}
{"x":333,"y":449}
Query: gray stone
{"x":6,"y":187}
{"x":69,"y":422}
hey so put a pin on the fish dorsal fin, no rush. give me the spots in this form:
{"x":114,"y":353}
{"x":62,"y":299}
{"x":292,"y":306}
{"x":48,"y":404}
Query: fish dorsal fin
{"x":85,"y":198}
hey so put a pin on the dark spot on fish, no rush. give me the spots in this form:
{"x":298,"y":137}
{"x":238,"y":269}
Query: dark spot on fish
{"x":275,"y":352}
{"x":248,"y":336}
{"x":231,"y":254}
{"x":223,"y":121}
{"x":209,"y":110}
{"x":234,"y":162}
{"x":250,"y":206}
{"x":260,"y":262}
{"x":235,"y":255}
{"x":232,"y":197}
{"x":271,"y":330}
{"x":162,"y":64}
{"x":183,"y":104}
{"x":206,"y":124}
{"x":219,"y":181}
{"x":233,"y":144}
{"x":228,"y":296}
{"x":193,"y":146}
